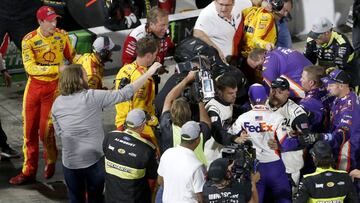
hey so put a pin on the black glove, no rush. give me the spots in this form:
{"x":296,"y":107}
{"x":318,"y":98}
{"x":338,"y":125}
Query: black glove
{"x":310,"y":138}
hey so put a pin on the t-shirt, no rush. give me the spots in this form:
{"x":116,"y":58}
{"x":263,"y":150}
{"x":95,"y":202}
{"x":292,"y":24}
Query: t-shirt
{"x":235,"y":192}
{"x":183,"y":174}
{"x":167,"y":139}
{"x":221,"y":31}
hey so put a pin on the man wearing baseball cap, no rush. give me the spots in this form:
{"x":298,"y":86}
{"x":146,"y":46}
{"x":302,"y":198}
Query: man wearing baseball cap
{"x":130,"y":162}
{"x":93,"y":63}
{"x":344,"y":131}
{"x":259,"y":125}
{"x":295,"y":121}
{"x":221,"y":185}
{"x":328,"y":47}
{"x":44,"y":50}
{"x":180,"y":168}
{"x":325,"y":184}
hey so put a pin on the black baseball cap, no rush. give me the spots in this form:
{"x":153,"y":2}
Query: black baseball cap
{"x":337,"y":76}
{"x":218,"y":169}
{"x":321,"y":150}
{"x":281,"y":83}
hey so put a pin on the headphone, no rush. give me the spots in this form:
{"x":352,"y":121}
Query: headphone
{"x":104,"y":53}
{"x":276,"y":5}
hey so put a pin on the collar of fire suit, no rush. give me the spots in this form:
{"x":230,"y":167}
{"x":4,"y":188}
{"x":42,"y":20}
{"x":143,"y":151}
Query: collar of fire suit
{"x":313,"y":91}
{"x":330,"y":41}
{"x":320,"y":170}
{"x":138,"y":136}
{"x":95,"y":58}
{"x":345,"y":97}
{"x":276,"y":108}
{"x":221,"y":101}
{"x":138,"y":66}
{"x":41,"y":35}
{"x":260,"y":107}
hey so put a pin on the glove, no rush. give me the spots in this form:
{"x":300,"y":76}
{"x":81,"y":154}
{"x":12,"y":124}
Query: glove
{"x":130,"y":20}
{"x":310,"y":138}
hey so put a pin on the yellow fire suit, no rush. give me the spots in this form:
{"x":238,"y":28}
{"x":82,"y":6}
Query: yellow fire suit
{"x":142,"y":99}
{"x":94,"y":70}
{"x":42,"y":57}
{"x":259,"y":29}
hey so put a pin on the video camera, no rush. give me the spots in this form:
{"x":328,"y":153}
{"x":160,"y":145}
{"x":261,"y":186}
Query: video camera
{"x":244,"y":157}
{"x":203,"y":87}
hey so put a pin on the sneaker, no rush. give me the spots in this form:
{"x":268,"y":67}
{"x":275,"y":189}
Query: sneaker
{"x":8,"y":152}
{"x":21,"y":179}
{"x":49,"y":171}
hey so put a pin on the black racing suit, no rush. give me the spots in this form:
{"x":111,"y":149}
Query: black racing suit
{"x":338,"y":52}
{"x":327,"y":186}
{"x":129,"y":162}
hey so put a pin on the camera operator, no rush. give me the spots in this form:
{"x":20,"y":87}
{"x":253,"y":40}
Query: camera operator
{"x":261,"y":124}
{"x":325,"y":184}
{"x":220,"y":110}
{"x":182,"y":71}
{"x":176,"y":112}
{"x":221,"y":187}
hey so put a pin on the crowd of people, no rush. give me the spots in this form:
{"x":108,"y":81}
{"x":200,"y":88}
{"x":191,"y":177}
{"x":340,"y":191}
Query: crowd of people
{"x":300,"y":113}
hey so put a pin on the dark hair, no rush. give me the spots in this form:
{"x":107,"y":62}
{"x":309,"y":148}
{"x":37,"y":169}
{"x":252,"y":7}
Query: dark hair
{"x":71,"y":80}
{"x":203,"y":59}
{"x":146,"y":45}
{"x":256,"y":53}
{"x":154,"y":14}
{"x":225,"y":80}
{"x":324,"y":163}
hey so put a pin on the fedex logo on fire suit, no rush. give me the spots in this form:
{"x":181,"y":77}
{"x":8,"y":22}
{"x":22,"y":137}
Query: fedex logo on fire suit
{"x":263,"y":127}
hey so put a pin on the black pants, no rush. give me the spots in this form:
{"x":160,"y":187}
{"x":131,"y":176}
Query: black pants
{"x":3,"y":138}
{"x":16,"y":29}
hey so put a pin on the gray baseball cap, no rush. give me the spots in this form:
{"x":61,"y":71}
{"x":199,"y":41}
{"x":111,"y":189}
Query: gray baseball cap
{"x":190,"y":130}
{"x":135,"y":118}
{"x":320,"y":26}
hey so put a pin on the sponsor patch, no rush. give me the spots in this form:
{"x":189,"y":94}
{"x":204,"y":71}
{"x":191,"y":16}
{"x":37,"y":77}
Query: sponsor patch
{"x":111,"y":148}
{"x":214,"y":119}
{"x":126,"y":138}
{"x":121,"y":151}
{"x":319,"y":185}
{"x":330,"y":184}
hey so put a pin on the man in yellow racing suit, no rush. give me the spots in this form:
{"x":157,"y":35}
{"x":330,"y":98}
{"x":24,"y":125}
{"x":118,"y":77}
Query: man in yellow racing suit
{"x":260,"y":27}
{"x":93,"y":63}
{"x":43,"y":52}
{"x":147,"y":49}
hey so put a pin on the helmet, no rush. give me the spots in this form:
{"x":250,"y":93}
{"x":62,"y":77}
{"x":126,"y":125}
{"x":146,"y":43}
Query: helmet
{"x":276,"y":5}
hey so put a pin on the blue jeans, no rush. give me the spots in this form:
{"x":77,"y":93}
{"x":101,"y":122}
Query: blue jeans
{"x":159,"y":194}
{"x":284,"y":37}
{"x":86,"y":184}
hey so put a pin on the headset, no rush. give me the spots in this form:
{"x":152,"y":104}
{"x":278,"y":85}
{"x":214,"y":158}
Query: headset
{"x":105,"y":53}
{"x":276,"y":5}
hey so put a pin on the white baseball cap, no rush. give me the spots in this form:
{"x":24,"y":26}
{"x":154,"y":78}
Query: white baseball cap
{"x":320,"y":26}
{"x":105,"y":42}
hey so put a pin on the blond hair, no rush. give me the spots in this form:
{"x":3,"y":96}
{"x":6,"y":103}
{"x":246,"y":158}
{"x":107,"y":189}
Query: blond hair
{"x":71,"y":80}
{"x":180,"y":112}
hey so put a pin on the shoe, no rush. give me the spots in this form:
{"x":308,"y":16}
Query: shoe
{"x":21,"y":179}
{"x":49,"y":171}
{"x":8,"y":152}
